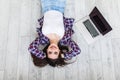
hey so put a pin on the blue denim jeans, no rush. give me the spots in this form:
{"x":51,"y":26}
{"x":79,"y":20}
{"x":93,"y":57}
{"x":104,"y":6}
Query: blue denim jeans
{"x":58,"y":5}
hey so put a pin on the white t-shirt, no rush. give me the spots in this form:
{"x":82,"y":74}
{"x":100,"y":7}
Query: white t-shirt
{"x":53,"y":23}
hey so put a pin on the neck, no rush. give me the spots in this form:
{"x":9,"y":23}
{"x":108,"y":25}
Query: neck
{"x":54,"y":41}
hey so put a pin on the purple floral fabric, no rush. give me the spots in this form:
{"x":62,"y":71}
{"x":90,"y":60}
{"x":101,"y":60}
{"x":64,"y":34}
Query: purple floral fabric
{"x":66,"y":40}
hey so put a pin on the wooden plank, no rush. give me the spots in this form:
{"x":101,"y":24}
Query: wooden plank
{"x":47,"y":73}
{"x":118,"y":7}
{"x":23,"y":59}
{"x":1,"y":75}
{"x":25,"y":18}
{"x":80,"y":10}
{"x":107,"y":58}
{"x":96,"y":70}
{"x":94,"y":51}
{"x":23,"y":56}
{"x":34,"y":72}
{"x":32,"y":68}
{"x":116,"y":56}
{"x":59,"y":73}
{"x":13,"y":40}
{"x":39,"y":73}
{"x":71,"y":71}
{"x":83,"y":63}
{"x":82,"y":59}
{"x":89,"y":5}
{"x":111,"y":11}
{"x":35,"y":15}
{"x":83,"y":66}
{"x":70,"y":9}
{"x":95,"y":62}
{"x":4,"y":10}
{"x":114,"y":18}
{"x":68,"y":72}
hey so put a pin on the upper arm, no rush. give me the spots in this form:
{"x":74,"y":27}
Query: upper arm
{"x":34,"y":48}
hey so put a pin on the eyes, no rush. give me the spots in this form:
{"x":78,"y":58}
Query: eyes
{"x":56,"y":53}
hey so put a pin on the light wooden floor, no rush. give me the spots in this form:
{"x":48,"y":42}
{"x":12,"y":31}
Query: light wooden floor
{"x":97,"y":61}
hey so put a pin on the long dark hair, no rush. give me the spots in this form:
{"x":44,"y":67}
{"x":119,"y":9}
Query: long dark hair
{"x":60,"y":61}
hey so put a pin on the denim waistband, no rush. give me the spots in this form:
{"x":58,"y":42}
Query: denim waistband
{"x":58,"y":5}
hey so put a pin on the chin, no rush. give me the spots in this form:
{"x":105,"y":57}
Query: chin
{"x":53,"y":46}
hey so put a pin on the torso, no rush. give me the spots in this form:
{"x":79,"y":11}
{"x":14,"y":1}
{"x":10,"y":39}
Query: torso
{"x":53,"y":23}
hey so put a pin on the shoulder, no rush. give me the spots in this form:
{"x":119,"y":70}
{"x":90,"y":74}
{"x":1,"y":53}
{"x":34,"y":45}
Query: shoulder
{"x":40,"y":21}
{"x":68,"y":20}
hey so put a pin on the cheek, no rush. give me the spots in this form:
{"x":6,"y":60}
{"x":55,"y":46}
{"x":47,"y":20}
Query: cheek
{"x":58,"y":50}
{"x":48,"y":49}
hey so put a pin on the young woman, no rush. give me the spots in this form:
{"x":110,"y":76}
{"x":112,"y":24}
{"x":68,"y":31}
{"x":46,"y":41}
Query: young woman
{"x":55,"y":33}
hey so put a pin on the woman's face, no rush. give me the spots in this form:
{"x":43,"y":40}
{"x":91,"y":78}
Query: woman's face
{"x":53,"y":51}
